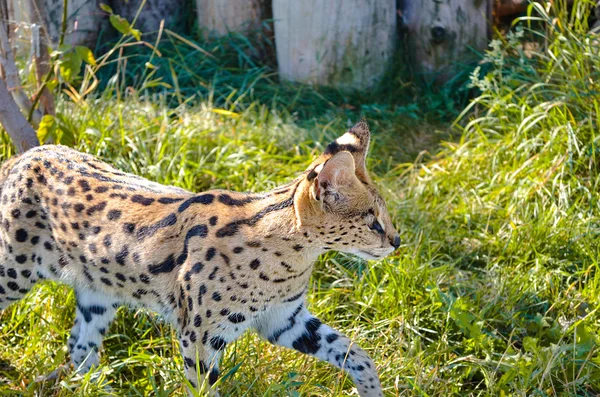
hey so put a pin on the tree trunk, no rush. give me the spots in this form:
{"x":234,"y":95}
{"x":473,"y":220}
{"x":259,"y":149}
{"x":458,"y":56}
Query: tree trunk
{"x":443,"y":33}
{"x":222,"y":16}
{"x":343,"y":43}
{"x":85,"y":19}
{"x":19,"y":130}
{"x":154,"y":11}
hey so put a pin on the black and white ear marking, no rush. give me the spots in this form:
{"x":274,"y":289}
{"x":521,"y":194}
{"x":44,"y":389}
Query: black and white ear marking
{"x":355,"y":141}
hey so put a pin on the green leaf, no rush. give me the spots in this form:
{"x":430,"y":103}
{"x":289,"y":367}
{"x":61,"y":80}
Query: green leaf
{"x":123,"y":26}
{"x":69,"y":66}
{"x":530,"y":344}
{"x":120,"y":23}
{"x":52,"y":84}
{"x":86,"y":55}
{"x":61,"y":50}
{"x":65,"y":136}
{"x":106,"y":7}
{"x":46,"y":128}
{"x":136,"y":33}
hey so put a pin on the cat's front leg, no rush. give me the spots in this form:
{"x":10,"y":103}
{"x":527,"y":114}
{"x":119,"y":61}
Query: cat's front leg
{"x":201,"y":360}
{"x":295,"y":327}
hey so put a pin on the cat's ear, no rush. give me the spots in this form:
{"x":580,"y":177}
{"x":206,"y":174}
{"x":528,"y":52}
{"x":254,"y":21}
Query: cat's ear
{"x":356,"y":141}
{"x":333,"y":176}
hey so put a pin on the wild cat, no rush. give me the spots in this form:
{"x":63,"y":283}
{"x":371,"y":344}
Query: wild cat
{"x":214,"y":264}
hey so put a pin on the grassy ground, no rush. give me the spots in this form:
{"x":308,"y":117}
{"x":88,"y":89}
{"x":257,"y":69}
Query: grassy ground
{"x":495,"y":290}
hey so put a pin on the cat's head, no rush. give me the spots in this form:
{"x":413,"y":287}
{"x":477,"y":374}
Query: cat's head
{"x":342,"y":205}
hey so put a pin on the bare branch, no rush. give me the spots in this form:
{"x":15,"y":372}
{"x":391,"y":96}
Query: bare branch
{"x":42,"y":58}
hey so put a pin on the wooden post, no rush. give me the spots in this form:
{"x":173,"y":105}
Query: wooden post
{"x":222,"y":16}
{"x":444,"y":33}
{"x":343,"y":43}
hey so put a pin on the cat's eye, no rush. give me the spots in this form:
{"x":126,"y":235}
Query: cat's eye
{"x":377,"y":227}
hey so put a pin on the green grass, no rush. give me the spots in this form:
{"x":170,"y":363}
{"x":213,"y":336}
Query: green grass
{"x":495,"y":289}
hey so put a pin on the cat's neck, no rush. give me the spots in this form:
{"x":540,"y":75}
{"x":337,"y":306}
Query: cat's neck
{"x":270,"y":224}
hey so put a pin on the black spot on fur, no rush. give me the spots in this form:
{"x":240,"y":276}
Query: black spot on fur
{"x":142,"y":200}
{"x":237,"y":318}
{"x":263,"y":276}
{"x":129,"y":228}
{"x":228,"y":200}
{"x":297,"y":247}
{"x":197,"y":268}
{"x":331,"y":338}
{"x":205,"y":199}
{"x":122,"y":255}
{"x":169,"y":200}
{"x":308,"y":343}
{"x":233,"y":227}
{"x":147,"y":231}
{"x":210,"y":253}
{"x":85,"y":186}
{"x":199,"y":231}
{"x":213,"y":376}
{"x":225,"y":259}
{"x":114,"y":215}
{"x":218,"y":343}
{"x":165,"y":266}
{"x":88,"y":312}
{"x":254,"y":264}
{"x":294,"y":297}
{"x":21,"y":235}
{"x":96,"y":208}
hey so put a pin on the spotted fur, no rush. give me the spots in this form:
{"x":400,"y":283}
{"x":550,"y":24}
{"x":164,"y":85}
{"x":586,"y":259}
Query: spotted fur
{"x":214,"y":264}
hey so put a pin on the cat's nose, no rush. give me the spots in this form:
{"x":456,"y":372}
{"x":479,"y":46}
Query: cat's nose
{"x":395,"y":241}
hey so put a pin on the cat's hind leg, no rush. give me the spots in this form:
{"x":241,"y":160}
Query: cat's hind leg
{"x":94,"y":313}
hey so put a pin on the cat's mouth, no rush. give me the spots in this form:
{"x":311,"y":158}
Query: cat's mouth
{"x":373,"y":254}
{"x":369,"y":255}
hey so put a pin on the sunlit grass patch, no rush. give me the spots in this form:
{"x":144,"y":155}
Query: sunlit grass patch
{"x":494,"y":291}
